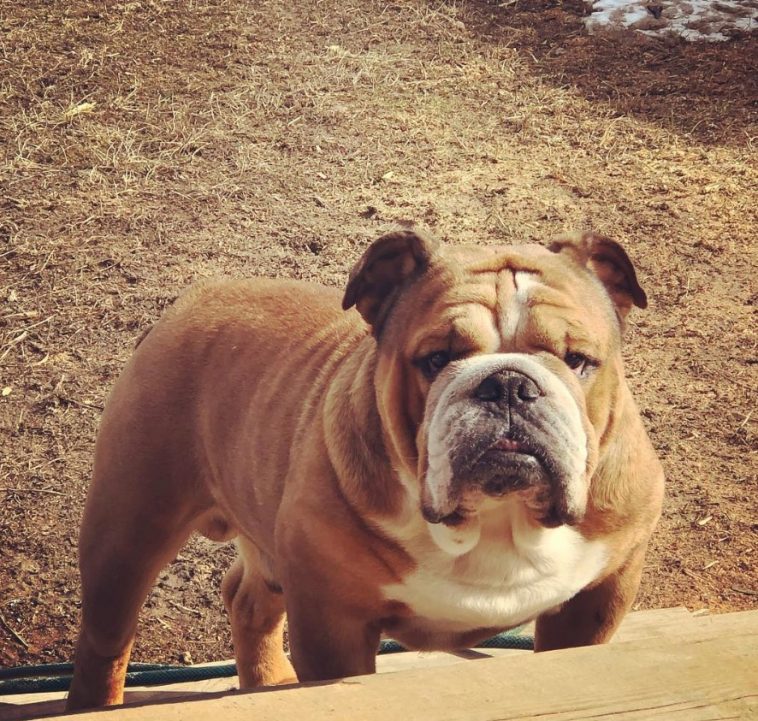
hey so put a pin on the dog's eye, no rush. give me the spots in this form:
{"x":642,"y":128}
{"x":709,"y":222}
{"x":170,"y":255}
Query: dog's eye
{"x":580,"y":363}
{"x":432,"y":364}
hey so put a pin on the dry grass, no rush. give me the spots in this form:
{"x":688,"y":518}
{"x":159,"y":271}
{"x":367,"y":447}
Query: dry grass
{"x":146,"y":144}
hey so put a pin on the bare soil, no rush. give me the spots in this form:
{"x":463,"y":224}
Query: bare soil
{"x":147,"y":144}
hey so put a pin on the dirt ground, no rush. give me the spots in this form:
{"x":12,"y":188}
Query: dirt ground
{"x":146,"y":144}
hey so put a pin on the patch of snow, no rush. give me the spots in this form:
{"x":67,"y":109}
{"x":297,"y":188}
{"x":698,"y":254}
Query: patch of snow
{"x":710,"y":20}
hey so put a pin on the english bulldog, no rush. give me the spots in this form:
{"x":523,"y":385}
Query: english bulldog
{"x":458,"y":455}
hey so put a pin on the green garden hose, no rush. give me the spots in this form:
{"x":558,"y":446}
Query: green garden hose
{"x":57,"y":676}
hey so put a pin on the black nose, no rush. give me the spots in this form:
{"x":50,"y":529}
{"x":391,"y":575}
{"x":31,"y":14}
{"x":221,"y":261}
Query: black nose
{"x":510,"y":386}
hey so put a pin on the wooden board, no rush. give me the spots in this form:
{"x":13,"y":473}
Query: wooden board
{"x":642,"y":624}
{"x":654,"y":623}
{"x":706,"y":670}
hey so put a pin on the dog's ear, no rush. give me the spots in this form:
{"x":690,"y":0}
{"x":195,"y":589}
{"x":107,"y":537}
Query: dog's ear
{"x":388,"y":263}
{"x":610,"y":263}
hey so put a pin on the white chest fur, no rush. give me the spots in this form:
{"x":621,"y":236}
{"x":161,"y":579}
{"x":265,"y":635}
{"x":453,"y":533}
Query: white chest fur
{"x":516,"y":572}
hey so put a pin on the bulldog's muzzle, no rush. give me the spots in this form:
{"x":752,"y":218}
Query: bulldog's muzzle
{"x":504,"y":424}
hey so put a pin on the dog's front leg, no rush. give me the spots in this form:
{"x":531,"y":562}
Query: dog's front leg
{"x":327,"y":641}
{"x":593,"y":615}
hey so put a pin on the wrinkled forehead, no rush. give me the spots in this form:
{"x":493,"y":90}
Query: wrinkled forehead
{"x":507,"y":299}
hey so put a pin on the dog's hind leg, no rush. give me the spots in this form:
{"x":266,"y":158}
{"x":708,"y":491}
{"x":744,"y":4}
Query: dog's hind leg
{"x":256,"y":611}
{"x":116,"y":578}
{"x":135,"y":521}
{"x":119,"y":563}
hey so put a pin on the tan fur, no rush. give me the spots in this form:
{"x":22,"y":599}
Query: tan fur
{"x":260,"y":410}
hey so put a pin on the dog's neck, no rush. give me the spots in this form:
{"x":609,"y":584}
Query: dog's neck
{"x":626,"y":464}
{"x":358,"y":449}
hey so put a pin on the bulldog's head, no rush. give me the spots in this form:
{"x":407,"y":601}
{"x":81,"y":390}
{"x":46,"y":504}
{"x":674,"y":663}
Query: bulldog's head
{"x":497,"y":371}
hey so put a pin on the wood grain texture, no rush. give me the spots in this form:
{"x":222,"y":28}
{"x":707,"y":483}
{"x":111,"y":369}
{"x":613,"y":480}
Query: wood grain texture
{"x":708,"y":671}
{"x":653,"y":623}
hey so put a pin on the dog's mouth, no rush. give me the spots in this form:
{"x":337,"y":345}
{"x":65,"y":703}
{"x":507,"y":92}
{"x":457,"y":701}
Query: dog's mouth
{"x":503,"y":464}
{"x":509,"y":445}
{"x":509,"y":454}
{"x":507,"y":467}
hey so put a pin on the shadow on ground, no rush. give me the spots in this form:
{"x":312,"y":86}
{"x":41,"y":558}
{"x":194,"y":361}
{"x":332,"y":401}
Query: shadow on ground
{"x":707,"y":91}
